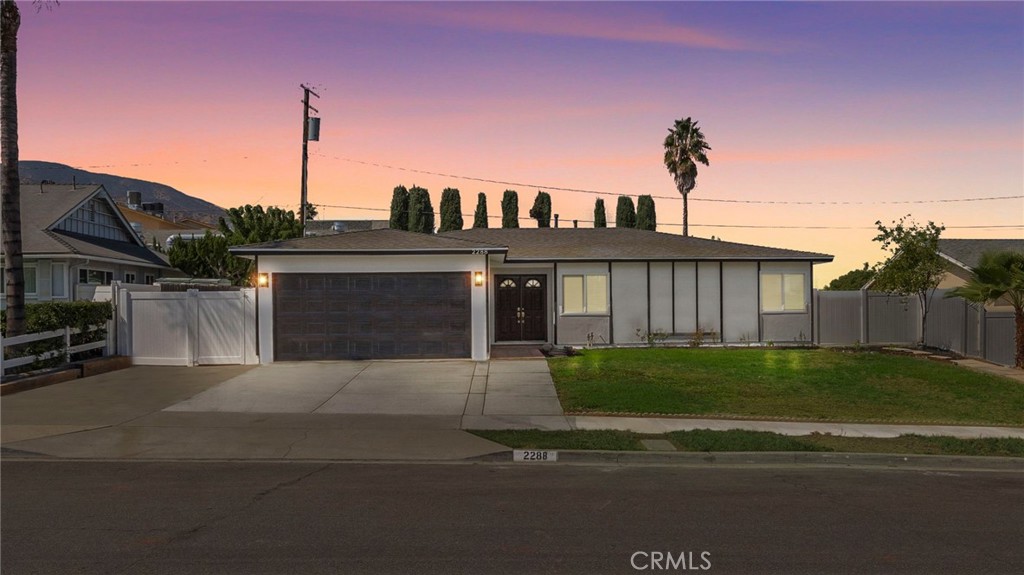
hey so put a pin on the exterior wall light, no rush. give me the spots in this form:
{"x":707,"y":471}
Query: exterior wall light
{"x":263,"y":280}
{"x":478,"y":278}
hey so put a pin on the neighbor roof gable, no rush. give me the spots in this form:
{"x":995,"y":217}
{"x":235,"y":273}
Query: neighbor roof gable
{"x":966,"y":253}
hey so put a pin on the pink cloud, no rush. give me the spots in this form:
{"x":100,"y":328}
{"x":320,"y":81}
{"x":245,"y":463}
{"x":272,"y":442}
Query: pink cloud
{"x":548,"y":21}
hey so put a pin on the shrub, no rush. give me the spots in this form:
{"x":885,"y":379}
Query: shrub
{"x":50,"y":316}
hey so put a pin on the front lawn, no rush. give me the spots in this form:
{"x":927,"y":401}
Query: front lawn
{"x":818,"y":384}
{"x":751,"y":441}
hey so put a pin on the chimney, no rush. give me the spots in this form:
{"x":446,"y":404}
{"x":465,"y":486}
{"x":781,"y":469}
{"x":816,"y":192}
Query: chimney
{"x":575,"y":223}
{"x":556,"y":220}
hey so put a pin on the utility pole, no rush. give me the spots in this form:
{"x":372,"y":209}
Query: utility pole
{"x":305,"y":149}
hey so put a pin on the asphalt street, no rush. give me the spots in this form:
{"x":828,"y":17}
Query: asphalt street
{"x":302,"y":517}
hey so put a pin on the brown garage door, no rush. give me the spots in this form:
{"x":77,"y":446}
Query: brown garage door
{"x":371,"y":316}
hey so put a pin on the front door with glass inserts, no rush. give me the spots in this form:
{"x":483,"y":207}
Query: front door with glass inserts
{"x":521,"y":308}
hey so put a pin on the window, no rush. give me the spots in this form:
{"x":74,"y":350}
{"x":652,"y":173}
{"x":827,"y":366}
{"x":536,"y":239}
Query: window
{"x":96,"y":277}
{"x":150,"y":279}
{"x":508,"y":283}
{"x":783,"y":292}
{"x":58,"y":281}
{"x":30,"y":280}
{"x":532,"y":283}
{"x":585,"y":294}
{"x":129,"y":278}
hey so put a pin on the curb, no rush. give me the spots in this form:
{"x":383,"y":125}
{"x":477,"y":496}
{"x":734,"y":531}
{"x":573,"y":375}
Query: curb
{"x":770,"y":458}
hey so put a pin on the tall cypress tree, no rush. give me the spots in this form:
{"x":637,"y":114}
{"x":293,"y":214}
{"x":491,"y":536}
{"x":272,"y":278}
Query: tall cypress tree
{"x":600,"y":220}
{"x":625,"y":214}
{"x":399,"y":209}
{"x":480,"y":216}
{"x":510,"y":209}
{"x":541,"y":210}
{"x":421,"y":211}
{"x":646,"y":219}
{"x":451,"y":210}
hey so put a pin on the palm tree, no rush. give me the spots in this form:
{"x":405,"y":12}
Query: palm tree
{"x":999,"y":276}
{"x":10,"y":21}
{"x":684,"y":147}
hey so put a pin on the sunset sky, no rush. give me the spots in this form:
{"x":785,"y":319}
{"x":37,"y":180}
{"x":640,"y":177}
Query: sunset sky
{"x":800,"y":102}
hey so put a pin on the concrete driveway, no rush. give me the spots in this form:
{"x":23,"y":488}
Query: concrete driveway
{"x":477,"y":390}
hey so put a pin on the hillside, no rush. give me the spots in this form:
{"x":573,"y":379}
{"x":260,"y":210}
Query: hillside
{"x":176,"y":203}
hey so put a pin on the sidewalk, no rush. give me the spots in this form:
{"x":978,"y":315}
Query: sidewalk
{"x":128,"y":415}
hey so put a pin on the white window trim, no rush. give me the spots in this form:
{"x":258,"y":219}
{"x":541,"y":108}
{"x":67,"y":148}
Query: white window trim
{"x":585,"y":312}
{"x":782,"y":293}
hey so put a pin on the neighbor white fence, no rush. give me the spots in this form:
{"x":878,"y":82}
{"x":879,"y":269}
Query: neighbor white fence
{"x":875,"y":318}
{"x":67,"y":350}
{"x":186,"y":328}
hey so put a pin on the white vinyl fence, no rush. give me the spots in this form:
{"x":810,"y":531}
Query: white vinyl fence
{"x":66,"y":351}
{"x":954,"y":324}
{"x":187,"y":328}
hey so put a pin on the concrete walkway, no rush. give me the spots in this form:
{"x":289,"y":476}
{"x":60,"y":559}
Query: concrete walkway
{"x":332,"y":411}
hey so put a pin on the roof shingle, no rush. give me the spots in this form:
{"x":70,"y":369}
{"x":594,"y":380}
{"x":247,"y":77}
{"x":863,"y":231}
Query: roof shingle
{"x":968,"y":251}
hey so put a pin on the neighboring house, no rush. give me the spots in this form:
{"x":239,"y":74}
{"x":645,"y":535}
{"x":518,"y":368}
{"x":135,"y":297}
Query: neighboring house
{"x":329,"y":227}
{"x":396,"y":294}
{"x":963,"y":254}
{"x":76,"y":235}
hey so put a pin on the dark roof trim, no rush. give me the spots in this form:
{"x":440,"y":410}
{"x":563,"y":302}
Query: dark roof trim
{"x":818,"y":259}
{"x":481,"y":251}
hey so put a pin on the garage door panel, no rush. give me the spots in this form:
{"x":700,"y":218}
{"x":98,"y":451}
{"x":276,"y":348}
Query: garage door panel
{"x":367,"y":316}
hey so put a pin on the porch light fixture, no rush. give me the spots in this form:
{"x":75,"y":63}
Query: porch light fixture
{"x":263,"y":280}
{"x":478,"y":278}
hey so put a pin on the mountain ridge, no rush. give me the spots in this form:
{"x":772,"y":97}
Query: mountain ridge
{"x":177,"y":204}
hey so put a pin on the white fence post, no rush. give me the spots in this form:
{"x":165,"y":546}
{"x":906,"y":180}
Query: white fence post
{"x":67,"y":344}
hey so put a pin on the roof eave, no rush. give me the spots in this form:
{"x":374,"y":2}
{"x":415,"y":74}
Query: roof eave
{"x":387,"y":252}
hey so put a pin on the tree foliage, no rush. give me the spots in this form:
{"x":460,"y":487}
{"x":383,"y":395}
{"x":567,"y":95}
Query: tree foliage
{"x":451,"y":210}
{"x":510,"y":209}
{"x":999,"y":276}
{"x":600,"y":219}
{"x":541,"y":210}
{"x":646,"y":218}
{"x":852,"y":280}
{"x":208,"y":257}
{"x":914,"y":266}
{"x":399,"y":209}
{"x":480,"y":215}
{"x":252,"y":224}
{"x":685,"y":147}
{"x":421,"y":211}
{"x":625,"y":213}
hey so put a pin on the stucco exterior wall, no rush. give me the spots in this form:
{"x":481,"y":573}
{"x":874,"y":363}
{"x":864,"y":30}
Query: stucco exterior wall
{"x":709,"y":300}
{"x":629,"y":297}
{"x":739,"y":302}
{"x":661,"y":296}
{"x":686,"y":297}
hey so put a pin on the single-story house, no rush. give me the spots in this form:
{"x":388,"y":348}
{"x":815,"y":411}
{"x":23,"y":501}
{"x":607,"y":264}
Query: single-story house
{"x":75,"y":234}
{"x":396,"y":294}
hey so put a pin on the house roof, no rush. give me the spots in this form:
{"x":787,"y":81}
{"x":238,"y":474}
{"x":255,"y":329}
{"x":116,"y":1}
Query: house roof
{"x":966,"y":253}
{"x":382,"y":241}
{"x":44,"y":206}
{"x":533,"y":244}
{"x":603,"y":244}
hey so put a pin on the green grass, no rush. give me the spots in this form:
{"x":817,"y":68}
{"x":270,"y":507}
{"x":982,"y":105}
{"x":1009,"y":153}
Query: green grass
{"x":703,"y":440}
{"x":816,"y":384}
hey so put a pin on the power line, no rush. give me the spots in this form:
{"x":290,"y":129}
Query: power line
{"x":744,"y":226}
{"x":717,"y":200}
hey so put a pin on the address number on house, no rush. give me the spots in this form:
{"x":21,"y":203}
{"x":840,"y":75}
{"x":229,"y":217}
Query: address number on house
{"x":527,"y":455}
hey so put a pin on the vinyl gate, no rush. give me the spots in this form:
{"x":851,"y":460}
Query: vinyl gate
{"x":187,"y":328}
